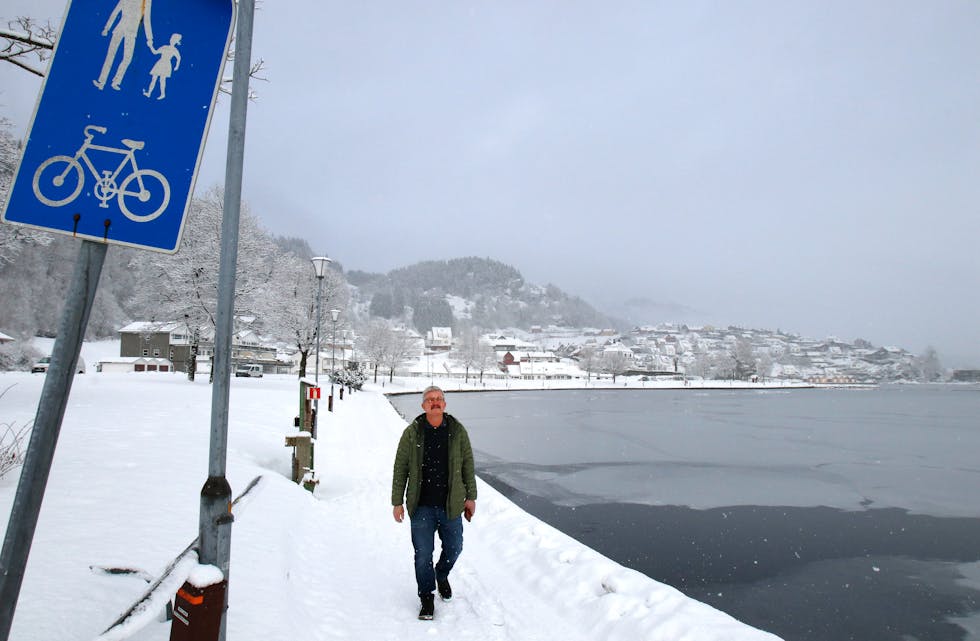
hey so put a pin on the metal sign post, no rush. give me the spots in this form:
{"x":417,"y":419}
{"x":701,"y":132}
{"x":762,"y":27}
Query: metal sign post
{"x":215,"y":512}
{"x":47,"y":425}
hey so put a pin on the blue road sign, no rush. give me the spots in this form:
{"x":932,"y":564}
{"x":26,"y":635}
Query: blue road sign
{"x":119,"y":128}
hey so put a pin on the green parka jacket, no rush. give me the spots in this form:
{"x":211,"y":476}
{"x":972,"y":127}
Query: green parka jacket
{"x":408,"y":467}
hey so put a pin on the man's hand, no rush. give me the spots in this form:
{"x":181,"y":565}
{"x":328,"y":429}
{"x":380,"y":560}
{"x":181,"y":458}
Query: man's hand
{"x":469,"y":509}
{"x":398,"y":512}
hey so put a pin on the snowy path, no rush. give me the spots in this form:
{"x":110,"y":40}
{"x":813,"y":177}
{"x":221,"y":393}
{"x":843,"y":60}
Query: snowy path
{"x":124,"y":492}
{"x":354,"y":517}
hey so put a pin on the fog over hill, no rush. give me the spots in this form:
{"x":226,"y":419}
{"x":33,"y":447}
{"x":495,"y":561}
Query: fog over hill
{"x":476,"y":291}
{"x":644,"y":311}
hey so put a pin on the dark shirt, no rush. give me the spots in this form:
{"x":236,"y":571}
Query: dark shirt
{"x":435,"y":465}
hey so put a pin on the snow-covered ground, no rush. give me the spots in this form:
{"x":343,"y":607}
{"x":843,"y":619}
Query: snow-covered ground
{"x":124,"y":492}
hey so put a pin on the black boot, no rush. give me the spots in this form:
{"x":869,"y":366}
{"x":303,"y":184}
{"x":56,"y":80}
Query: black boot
{"x":428,"y":607}
{"x":445,"y":590}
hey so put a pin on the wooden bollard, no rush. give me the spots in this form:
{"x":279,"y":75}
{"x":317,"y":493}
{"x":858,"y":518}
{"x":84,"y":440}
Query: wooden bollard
{"x":302,"y":444}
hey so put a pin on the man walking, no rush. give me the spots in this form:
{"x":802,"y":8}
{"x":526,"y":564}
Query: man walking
{"x":434,"y":478}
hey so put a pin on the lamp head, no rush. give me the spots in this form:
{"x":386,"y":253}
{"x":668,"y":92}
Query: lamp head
{"x":320,"y":265}
{"x":334,"y":313}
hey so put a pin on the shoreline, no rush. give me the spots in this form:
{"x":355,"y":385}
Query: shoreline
{"x":834,"y":564}
{"x":409,"y":385}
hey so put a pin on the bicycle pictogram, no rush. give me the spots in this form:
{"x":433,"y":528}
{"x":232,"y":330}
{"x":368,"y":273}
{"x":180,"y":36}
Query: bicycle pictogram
{"x":143,"y":194}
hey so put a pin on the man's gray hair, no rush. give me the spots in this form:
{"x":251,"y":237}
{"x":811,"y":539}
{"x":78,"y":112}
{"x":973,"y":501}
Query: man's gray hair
{"x":433,"y":388}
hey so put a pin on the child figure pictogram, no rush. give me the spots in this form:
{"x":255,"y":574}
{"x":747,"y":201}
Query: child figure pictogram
{"x":163,"y":69}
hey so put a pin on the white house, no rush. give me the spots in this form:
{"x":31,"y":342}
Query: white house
{"x":439,"y":339}
{"x":134,"y":364}
{"x":617,"y":348}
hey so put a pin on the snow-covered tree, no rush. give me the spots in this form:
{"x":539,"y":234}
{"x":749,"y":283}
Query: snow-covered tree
{"x":401,"y":346}
{"x":349,"y":378}
{"x":615,"y":363}
{"x":374,"y":343}
{"x":927,"y":365}
{"x":17,"y":355}
{"x":13,"y":238}
{"x":185,"y":284}
{"x":723,"y":365}
{"x":744,"y":359}
{"x":287,"y":304}
{"x":763,"y":364}
{"x":713,"y":364}
{"x":386,"y":346}
{"x":589,"y":360}
{"x":472,"y":353}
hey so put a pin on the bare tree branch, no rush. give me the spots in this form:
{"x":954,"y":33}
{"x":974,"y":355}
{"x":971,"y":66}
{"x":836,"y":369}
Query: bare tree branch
{"x":23,"y":65}
{"x":25,"y":38}
{"x":225,"y":86}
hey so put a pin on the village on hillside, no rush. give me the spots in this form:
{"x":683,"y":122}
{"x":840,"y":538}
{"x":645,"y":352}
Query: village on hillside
{"x":665,"y":351}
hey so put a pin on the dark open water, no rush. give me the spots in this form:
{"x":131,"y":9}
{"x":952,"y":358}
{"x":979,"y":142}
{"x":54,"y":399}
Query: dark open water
{"x":818,"y":515}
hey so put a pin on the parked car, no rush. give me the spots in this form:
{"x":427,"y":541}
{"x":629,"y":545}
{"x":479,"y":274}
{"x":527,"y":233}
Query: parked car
{"x":42,"y":365}
{"x":251,"y":371}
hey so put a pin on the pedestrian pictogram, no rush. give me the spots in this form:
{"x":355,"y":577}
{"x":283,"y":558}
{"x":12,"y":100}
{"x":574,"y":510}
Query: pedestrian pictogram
{"x":118,"y":131}
{"x":125,"y":21}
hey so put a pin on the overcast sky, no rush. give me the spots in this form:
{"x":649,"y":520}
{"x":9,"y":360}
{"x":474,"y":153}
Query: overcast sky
{"x":807,"y":166}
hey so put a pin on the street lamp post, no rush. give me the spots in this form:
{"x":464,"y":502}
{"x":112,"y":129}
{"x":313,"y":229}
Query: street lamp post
{"x":319,"y":268}
{"x":334,"y":313}
{"x":352,"y":363}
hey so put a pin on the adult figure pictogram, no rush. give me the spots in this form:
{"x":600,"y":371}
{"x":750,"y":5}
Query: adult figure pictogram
{"x":130,"y":14}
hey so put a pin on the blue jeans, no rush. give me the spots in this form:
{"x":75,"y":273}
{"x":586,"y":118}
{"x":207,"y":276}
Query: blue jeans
{"x":425,"y":523}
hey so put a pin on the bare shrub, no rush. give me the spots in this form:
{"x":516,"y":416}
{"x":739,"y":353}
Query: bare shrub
{"x":13,"y":441}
